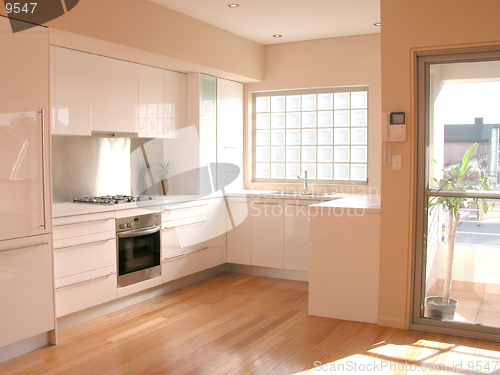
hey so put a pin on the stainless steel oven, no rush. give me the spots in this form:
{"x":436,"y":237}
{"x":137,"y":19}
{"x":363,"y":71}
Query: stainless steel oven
{"x":138,"y":248}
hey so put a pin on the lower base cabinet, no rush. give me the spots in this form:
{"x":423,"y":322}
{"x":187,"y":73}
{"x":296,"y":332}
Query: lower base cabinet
{"x":296,"y":235}
{"x":84,"y":261}
{"x":185,"y":264}
{"x":85,"y":290}
{"x":26,"y":289}
{"x":274,"y":234}
{"x":239,"y":238}
{"x":267,"y":233}
{"x":193,"y":239}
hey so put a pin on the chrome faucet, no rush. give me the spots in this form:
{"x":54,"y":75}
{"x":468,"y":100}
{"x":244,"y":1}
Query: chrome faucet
{"x":306,"y":181}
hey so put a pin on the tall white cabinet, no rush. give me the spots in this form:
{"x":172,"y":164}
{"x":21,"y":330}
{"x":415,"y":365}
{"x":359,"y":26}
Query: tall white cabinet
{"x":220,"y":119}
{"x":26,"y":288}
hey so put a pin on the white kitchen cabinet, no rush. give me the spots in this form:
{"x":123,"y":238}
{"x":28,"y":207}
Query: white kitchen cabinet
{"x":229,"y":133}
{"x":187,"y":263}
{"x":86,"y":254}
{"x":239,"y":236}
{"x":175,"y":101}
{"x":186,"y":233}
{"x":150,"y":120}
{"x":24,"y":148}
{"x":296,"y":234}
{"x":267,"y":232}
{"x":208,"y":120}
{"x":85,"y":290}
{"x":71,"y":92}
{"x":84,"y":261}
{"x":344,"y":263}
{"x":114,"y":95}
{"x":217,"y":216}
{"x":184,"y":239}
{"x":76,"y":226}
{"x":26,"y":288}
{"x":220,"y":116}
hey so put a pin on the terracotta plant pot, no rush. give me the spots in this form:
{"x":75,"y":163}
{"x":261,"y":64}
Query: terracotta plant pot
{"x":163,"y":187}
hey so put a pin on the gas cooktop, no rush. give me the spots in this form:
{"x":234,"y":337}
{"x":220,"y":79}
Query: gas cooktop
{"x":113,"y":199}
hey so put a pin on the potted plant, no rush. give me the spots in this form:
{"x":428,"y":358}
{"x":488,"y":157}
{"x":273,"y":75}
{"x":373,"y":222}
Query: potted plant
{"x":463,"y":178}
{"x":163,"y":177}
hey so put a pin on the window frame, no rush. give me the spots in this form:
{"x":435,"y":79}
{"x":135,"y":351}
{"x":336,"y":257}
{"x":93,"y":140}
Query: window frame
{"x":301,"y":92}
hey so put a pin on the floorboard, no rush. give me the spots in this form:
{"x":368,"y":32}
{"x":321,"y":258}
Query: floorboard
{"x":235,"y":324}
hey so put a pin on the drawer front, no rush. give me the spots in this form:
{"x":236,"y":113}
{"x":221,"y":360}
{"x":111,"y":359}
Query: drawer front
{"x":178,"y":234}
{"x":184,"y":265}
{"x":82,"y":225}
{"x":75,"y":259}
{"x":185,"y":210}
{"x":93,"y":289}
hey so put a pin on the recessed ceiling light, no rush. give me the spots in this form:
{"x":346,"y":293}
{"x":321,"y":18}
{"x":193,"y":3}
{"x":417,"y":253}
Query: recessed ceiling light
{"x":377,"y":24}
{"x":277,"y":36}
{"x":233,"y":5}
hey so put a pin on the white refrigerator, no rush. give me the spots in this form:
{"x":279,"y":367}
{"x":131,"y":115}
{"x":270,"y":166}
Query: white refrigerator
{"x":26,"y":276}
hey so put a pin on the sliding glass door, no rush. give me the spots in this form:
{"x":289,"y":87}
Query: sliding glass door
{"x":457,"y":278}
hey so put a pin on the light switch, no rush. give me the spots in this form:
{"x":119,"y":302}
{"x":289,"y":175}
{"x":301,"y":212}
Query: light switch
{"x":396,"y":163}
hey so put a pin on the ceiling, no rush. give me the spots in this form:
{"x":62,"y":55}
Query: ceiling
{"x":295,"y":20}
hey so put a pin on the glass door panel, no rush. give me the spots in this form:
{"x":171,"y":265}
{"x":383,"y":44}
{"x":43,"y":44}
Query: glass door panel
{"x":458,"y":224}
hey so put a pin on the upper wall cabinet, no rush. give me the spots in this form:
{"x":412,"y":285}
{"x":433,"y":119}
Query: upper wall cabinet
{"x":150,"y":121}
{"x":175,"y":101}
{"x":162,"y":101}
{"x":114,"y":95}
{"x":103,"y":94}
{"x":71,"y":92}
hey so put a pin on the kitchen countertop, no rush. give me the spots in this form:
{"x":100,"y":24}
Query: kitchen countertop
{"x":77,"y":208}
{"x":331,"y":201}
{"x":358,"y":202}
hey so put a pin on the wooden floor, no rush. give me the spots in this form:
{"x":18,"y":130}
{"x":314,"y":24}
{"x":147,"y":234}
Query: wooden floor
{"x":239,"y":324}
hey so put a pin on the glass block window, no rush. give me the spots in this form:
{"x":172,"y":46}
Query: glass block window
{"x":323,"y":132}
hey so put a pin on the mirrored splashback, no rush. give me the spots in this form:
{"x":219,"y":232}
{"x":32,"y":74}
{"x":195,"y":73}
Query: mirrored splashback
{"x":89,"y":166}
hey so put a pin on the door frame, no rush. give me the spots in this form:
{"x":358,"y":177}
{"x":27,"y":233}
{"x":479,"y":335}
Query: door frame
{"x":422,"y":62}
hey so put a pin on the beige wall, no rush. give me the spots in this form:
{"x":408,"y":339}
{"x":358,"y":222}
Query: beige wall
{"x":408,"y":26}
{"x":346,"y":61}
{"x":147,"y":26}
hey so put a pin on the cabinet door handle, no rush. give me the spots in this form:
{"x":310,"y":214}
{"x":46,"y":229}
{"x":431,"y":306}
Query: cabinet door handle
{"x":82,"y":244}
{"x":298,"y":205}
{"x":86,"y":281}
{"x":184,"y":254}
{"x":25,"y":247}
{"x":270,"y":204}
{"x":84,"y":222}
{"x":42,"y":114}
{"x":184,"y":208}
{"x":185,"y":225}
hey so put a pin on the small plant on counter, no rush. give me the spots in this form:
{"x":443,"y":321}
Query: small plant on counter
{"x":163,"y":177}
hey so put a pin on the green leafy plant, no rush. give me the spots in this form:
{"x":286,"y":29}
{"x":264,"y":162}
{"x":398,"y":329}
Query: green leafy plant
{"x":463,"y":178}
{"x":163,"y":170}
